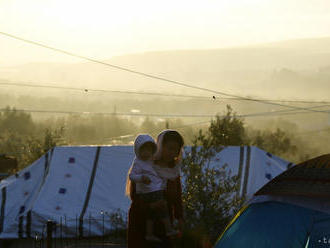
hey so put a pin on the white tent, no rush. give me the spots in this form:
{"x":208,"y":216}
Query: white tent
{"x":80,"y":187}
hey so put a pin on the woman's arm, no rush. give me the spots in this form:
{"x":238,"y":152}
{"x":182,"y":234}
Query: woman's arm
{"x":178,"y":208}
{"x":174,"y":197}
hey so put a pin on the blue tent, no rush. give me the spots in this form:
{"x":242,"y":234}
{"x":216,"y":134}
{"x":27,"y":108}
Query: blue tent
{"x":292,"y":210}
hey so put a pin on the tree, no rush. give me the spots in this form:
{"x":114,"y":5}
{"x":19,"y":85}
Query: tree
{"x":37,"y":147}
{"x":148,"y":126}
{"x":26,"y":149}
{"x":14,"y":121}
{"x":227,"y":130}
{"x":277,"y":142}
{"x":210,"y":192}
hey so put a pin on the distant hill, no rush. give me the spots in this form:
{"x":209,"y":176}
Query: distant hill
{"x":297,"y":68}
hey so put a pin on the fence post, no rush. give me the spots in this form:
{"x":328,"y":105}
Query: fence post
{"x":49,"y":234}
{"x":37,"y":241}
{"x":102,"y":228}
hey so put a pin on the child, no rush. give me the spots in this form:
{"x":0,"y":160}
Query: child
{"x":149,"y":186}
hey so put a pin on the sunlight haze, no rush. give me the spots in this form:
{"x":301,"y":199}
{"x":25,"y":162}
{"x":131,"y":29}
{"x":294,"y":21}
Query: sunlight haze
{"x":103,"y":29}
{"x":98,"y":72}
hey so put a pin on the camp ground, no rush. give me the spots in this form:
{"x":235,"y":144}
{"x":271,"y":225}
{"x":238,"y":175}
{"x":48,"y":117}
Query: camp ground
{"x":82,"y":187}
{"x":292,"y":210}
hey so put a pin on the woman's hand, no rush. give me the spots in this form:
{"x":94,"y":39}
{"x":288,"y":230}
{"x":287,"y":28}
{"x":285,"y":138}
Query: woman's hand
{"x":146,"y":180}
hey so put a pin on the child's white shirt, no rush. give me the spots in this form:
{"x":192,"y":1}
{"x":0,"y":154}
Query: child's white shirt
{"x":145,"y":168}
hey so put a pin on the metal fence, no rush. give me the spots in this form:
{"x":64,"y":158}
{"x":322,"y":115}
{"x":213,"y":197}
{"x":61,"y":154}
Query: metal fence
{"x":59,"y":235}
{"x":55,"y":235}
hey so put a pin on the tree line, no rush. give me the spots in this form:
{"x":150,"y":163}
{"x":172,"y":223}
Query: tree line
{"x":27,"y":139}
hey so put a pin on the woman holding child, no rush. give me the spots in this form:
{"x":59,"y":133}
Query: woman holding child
{"x":154,"y":187}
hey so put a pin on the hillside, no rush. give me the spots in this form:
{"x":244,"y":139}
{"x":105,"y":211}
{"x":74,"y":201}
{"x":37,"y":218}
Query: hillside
{"x":297,"y":68}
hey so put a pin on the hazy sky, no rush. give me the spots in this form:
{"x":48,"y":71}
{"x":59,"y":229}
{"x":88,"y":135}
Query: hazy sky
{"x":105,"y":28}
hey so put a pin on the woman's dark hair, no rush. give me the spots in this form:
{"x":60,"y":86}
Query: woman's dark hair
{"x":173,"y":136}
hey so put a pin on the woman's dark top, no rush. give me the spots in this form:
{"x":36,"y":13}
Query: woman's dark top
{"x":137,"y":216}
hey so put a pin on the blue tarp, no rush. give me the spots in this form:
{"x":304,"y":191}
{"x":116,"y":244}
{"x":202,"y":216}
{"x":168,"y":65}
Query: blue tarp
{"x":274,"y":225}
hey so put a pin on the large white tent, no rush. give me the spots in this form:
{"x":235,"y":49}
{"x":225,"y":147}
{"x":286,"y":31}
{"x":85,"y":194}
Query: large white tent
{"x":74,"y":185}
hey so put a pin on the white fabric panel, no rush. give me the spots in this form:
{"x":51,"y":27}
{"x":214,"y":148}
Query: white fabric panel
{"x":230,"y":156}
{"x":70,"y":177}
{"x":110,"y":180}
{"x":21,"y":191}
{"x":108,"y":193}
{"x":62,"y":196}
{"x":263,"y":168}
{"x":52,"y":203}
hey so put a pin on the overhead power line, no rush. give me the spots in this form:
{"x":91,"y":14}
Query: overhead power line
{"x":156,"y":130}
{"x":86,"y":90}
{"x":315,"y":131}
{"x":108,"y":113}
{"x":157,"y":77}
{"x":20,"y":84}
{"x":288,"y":112}
{"x":274,"y":113}
{"x":206,"y":122}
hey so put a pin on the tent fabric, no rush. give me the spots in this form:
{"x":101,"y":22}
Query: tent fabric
{"x":273,"y":219}
{"x":253,"y":166}
{"x":310,"y":178}
{"x":318,"y":204}
{"x":80,"y":187}
{"x":274,"y":224}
